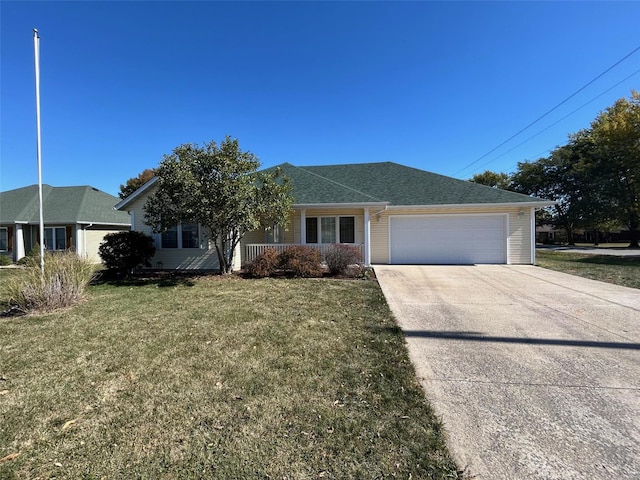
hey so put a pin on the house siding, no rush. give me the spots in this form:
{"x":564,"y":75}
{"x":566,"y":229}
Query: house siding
{"x":518,"y":237}
{"x":204,"y":258}
{"x":93,"y":237}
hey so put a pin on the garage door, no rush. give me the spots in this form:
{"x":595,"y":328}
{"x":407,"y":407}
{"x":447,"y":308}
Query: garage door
{"x":444,"y":240}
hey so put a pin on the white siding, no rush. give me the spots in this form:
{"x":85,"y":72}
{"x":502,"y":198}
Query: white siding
{"x":519,"y":245}
{"x":178,"y":258}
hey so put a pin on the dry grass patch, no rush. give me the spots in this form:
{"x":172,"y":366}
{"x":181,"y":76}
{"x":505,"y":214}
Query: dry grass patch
{"x":216,"y":378}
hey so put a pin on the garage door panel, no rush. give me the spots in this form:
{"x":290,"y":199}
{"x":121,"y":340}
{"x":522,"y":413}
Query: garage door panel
{"x":456,"y":239}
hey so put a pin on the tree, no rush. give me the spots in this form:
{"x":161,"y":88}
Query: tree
{"x":136,"y":182}
{"x":220,"y":188}
{"x":122,"y":252}
{"x":595,"y":177}
{"x":493,"y":179}
{"x":615,"y":161}
{"x":560,"y":178}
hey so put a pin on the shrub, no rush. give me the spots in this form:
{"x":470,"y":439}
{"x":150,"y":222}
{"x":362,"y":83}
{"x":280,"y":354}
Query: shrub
{"x":301,"y":261}
{"x":265,"y":264}
{"x":5,"y":260}
{"x":122,"y":252}
{"x":31,"y":258}
{"x":340,"y":256}
{"x":66,"y":275}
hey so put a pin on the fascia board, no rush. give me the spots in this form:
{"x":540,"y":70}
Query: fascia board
{"x":120,"y":205}
{"x":472,"y":205}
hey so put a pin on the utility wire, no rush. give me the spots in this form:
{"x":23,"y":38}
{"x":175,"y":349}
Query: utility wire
{"x":557,"y":122}
{"x":548,"y":112}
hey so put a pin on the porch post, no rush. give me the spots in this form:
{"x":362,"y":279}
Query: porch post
{"x":303,"y":226}
{"x":19,"y":242}
{"x":81,"y":244}
{"x":367,"y":231}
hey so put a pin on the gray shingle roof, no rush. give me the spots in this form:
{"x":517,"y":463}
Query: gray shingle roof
{"x":390,"y":183}
{"x":61,"y":205}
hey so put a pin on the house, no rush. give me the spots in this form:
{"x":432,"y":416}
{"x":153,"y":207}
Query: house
{"x":75,"y":218}
{"x":393,"y":213}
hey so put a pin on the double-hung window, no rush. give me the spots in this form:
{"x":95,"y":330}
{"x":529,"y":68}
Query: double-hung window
{"x":55,"y":238}
{"x":183,"y":235}
{"x":330,"y":229}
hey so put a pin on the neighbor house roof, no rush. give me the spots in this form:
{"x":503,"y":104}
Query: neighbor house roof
{"x":62,"y":205}
{"x":390,"y":184}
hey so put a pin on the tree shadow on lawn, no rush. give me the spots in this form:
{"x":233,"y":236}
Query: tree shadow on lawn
{"x":610,"y":260}
{"x":141,"y":279}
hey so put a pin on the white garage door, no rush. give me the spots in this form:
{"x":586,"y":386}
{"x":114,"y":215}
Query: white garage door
{"x":448,"y":240}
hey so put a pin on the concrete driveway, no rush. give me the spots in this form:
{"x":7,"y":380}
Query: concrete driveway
{"x":535,"y":373}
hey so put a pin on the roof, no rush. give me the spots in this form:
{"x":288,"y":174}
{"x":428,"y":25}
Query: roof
{"x":61,"y":205}
{"x":390,"y":184}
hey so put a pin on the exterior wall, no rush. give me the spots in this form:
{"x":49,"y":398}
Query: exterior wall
{"x":204,"y":258}
{"x":89,"y":241}
{"x":518,"y":238}
{"x":358,"y":213}
{"x":292,"y":232}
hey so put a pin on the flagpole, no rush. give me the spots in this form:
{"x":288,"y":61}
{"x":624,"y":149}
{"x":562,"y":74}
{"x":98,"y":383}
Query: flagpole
{"x":36,"y":49}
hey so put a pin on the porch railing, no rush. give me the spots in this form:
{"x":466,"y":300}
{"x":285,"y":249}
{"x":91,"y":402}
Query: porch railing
{"x":255,"y":249}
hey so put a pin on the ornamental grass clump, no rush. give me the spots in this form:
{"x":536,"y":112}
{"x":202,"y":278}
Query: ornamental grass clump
{"x":66,"y":276}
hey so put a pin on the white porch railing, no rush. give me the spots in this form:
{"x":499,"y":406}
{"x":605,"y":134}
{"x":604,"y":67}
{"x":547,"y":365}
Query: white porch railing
{"x":255,"y":249}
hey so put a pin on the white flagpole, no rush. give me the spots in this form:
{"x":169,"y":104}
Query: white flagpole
{"x":36,"y":49}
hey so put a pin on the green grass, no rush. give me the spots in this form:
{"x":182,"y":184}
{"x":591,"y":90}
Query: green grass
{"x":621,"y":270}
{"x":216,"y":378}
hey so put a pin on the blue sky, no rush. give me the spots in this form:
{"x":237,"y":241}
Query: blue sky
{"x":433,"y":85}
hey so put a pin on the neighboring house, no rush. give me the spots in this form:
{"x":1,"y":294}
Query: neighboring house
{"x":393,"y":213}
{"x":75,"y":218}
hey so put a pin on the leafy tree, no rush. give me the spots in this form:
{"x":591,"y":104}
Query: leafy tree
{"x":560,"y":178}
{"x":595,"y":177}
{"x":493,"y":179}
{"x":220,"y":188}
{"x":615,"y":162}
{"x":122,"y":252}
{"x":136,"y":182}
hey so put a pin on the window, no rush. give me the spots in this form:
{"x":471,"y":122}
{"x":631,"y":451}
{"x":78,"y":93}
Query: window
{"x":55,"y":238}
{"x":184,"y":235}
{"x":347,"y":230}
{"x":4,"y":239}
{"x":274,"y":234}
{"x":190,"y":235}
{"x":169,"y":238}
{"x":327,"y":230}
{"x":312,"y":230}
{"x":331,"y":229}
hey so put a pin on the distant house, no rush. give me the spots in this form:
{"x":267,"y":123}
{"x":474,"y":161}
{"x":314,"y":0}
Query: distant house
{"x":393,"y":213}
{"x":75,"y":218}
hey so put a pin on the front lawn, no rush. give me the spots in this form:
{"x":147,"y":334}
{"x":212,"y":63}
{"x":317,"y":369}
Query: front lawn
{"x":623,"y":271}
{"x":216,"y":378}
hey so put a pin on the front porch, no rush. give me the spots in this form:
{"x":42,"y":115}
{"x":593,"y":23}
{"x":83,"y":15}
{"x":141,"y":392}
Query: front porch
{"x":252,"y":251}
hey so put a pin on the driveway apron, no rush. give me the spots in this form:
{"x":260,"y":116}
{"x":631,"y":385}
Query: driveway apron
{"x":535,"y":373}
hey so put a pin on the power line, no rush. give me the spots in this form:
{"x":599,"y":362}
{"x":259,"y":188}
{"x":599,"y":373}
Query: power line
{"x":548,"y":112}
{"x":557,"y":122}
